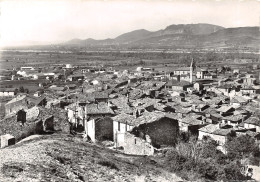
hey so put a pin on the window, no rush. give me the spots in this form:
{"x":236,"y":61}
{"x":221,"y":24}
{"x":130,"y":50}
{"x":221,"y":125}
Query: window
{"x":118,"y":126}
{"x":135,"y":140}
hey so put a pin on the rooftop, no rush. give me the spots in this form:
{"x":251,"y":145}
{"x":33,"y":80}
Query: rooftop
{"x":125,"y":118}
{"x":209,"y":128}
{"x":253,"y":121}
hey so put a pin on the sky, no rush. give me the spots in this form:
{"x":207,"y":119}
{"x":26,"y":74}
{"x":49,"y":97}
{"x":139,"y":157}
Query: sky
{"x":24,"y":22}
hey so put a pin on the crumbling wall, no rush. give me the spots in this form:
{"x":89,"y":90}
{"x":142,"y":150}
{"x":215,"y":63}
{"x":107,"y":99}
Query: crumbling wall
{"x":137,"y":146}
{"x":32,"y":113}
{"x":48,"y":123}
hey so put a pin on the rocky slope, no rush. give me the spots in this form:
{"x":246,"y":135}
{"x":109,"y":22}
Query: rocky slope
{"x":61,"y":157}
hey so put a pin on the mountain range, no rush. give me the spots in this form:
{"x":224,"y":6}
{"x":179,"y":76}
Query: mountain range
{"x":180,"y":36}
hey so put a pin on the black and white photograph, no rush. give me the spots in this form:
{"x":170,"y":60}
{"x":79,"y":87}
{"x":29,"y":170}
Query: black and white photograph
{"x":129,"y":90}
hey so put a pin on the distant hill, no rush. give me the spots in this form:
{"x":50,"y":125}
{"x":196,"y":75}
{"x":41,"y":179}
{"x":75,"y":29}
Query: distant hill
{"x":181,"y":36}
{"x":133,"y":36}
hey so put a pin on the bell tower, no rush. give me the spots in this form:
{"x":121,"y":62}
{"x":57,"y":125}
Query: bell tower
{"x":192,"y":68}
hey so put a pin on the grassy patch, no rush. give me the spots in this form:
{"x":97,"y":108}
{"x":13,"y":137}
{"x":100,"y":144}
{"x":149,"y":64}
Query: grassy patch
{"x":109,"y":164}
{"x":11,"y":169}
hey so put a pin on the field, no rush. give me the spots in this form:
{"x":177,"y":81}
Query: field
{"x":120,"y":60}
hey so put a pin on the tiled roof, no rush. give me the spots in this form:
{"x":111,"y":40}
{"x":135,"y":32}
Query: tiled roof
{"x":125,"y":118}
{"x":222,"y":132}
{"x":252,"y":134}
{"x":224,"y":109}
{"x":18,"y":98}
{"x":149,"y":117}
{"x":191,"y":121}
{"x":234,"y":118}
{"x":35,"y":100}
{"x":209,"y":128}
{"x":238,"y":99}
{"x":57,"y":88}
{"x":122,"y":104}
{"x":145,"y":102}
{"x":100,"y":108}
{"x":98,"y":95}
{"x":180,"y":109}
{"x":253,"y":121}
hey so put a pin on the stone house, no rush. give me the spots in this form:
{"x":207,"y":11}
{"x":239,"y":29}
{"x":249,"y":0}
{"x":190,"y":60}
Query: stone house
{"x":233,"y":120}
{"x":252,"y":122}
{"x":98,"y":124}
{"x":121,"y":124}
{"x":138,"y":146}
{"x":249,"y":91}
{"x":225,"y":110}
{"x":182,"y":71}
{"x":99,"y":129}
{"x":216,"y":132}
{"x":197,"y":86}
{"x":16,"y":104}
{"x":36,"y":101}
{"x":75,"y":114}
{"x":239,"y":101}
{"x":209,"y":76}
{"x":75,"y":77}
{"x":192,"y":123}
{"x":153,"y":129}
{"x":7,"y":140}
{"x":98,"y":97}
{"x":199,"y":107}
{"x":8,"y":92}
{"x":200,"y":73}
{"x":177,"y":85}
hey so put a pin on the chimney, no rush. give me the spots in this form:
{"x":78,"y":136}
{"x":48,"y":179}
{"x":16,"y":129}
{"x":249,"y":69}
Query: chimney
{"x":178,"y":78}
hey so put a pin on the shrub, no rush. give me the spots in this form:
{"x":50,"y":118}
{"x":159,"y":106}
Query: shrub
{"x":241,"y":146}
{"x":11,"y":170}
{"x":109,"y":164}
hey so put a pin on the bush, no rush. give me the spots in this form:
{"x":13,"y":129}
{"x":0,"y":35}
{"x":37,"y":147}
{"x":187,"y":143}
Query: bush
{"x":202,"y":161}
{"x":109,"y":164}
{"x":11,"y":170}
{"x":241,"y":146}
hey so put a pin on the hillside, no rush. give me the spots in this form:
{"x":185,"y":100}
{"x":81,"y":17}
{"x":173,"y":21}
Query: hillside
{"x":181,"y":36}
{"x":61,"y":157}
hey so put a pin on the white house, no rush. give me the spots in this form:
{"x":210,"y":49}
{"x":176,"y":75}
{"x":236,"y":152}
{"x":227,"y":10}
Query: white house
{"x":121,"y":124}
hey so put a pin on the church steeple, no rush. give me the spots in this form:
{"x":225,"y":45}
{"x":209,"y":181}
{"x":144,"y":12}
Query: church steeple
{"x":192,"y":68}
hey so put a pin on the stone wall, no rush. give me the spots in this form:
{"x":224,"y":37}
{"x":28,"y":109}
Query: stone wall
{"x":48,"y":123}
{"x":104,"y":129}
{"x":14,"y":107}
{"x":162,"y":132}
{"x":119,"y":130}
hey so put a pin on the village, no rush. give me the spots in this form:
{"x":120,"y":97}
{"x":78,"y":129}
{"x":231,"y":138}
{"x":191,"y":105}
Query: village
{"x":139,"y":111}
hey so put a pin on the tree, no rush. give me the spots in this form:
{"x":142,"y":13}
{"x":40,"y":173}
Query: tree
{"x":21,"y":89}
{"x":243,"y":145}
{"x":26,"y":90}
